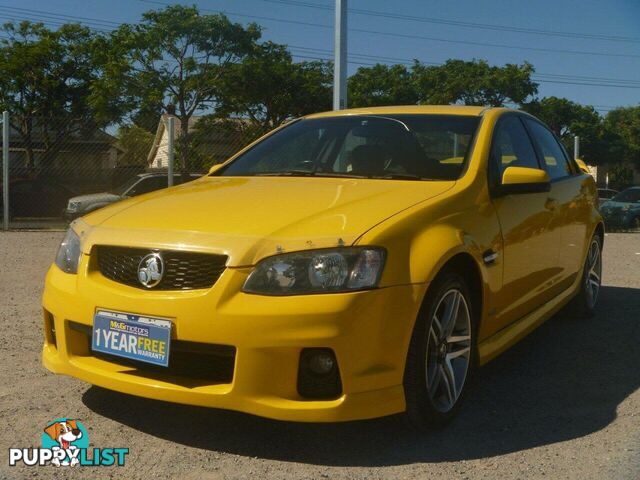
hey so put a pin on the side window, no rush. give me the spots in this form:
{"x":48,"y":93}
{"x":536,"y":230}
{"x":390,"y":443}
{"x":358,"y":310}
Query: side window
{"x":511,"y":147}
{"x":555,"y":160}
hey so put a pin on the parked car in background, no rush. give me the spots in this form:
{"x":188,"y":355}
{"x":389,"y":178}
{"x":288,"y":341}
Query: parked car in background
{"x":142,"y":183}
{"x":622,"y":212}
{"x":36,"y":198}
{"x":605,"y":194}
{"x":351,"y":264}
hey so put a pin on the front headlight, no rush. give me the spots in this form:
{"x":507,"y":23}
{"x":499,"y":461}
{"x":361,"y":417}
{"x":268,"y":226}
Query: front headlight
{"x":68,"y":255}
{"x":73,"y":206}
{"x":317,"y":271}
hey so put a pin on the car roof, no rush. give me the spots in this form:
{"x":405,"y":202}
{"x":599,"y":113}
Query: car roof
{"x":408,"y":110}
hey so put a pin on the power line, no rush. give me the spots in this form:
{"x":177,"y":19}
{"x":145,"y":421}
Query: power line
{"x":371,"y":64}
{"x":58,"y":16}
{"x":562,"y":77}
{"x":60,"y":19}
{"x":443,"y":21}
{"x":416,"y":37}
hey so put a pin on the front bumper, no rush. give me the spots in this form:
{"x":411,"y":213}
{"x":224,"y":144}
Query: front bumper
{"x":368,"y":331}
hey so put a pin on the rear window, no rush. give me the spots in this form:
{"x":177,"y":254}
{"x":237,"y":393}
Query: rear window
{"x":426,"y":147}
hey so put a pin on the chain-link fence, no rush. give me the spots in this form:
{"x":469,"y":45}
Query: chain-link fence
{"x":55,"y":170}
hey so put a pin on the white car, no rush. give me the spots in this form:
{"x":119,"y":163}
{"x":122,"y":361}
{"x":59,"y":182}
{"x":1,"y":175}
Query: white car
{"x":142,"y":183}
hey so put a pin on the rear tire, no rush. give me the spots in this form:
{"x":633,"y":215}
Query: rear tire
{"x":584,"y":303}
{"x":441,"y":354}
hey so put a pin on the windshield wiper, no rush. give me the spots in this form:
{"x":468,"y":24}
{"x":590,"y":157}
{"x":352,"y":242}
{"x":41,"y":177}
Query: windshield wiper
{"x":307,"y":173}
{"x":339,"y":175}
{"x":288,"y":173}
{"x":398,"y":176}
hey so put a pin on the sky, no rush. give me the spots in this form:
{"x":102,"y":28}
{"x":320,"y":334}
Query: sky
{"x":584,"y":50}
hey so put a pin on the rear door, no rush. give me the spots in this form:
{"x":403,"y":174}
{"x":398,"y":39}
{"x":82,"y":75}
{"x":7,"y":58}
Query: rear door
{"x":529,"y":259}
{"x":568,"y":201}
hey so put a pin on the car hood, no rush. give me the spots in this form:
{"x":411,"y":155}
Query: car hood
{"x":249,"y":218}
{"x":95,"y":198}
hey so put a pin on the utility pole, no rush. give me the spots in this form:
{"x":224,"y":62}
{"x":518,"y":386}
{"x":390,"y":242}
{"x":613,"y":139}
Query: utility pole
{"x":171,"y":148}
{"x":6,"y":127}
{"x":576,"y":147}
{"x":340,"y":57}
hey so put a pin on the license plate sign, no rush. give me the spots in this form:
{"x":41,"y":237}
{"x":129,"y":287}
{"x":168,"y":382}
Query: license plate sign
{"x":136,"y":337}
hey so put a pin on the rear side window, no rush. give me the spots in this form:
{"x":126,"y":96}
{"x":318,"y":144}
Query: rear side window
{"x":511,"y":147}
{"x":555,"y":161}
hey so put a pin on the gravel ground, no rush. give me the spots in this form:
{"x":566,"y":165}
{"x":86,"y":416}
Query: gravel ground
{"x":564,"y":403}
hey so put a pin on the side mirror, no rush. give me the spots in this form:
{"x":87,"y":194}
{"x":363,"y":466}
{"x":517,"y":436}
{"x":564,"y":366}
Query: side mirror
{"x":215,"y":168}
{"x":583,"y":166}
{"x":517,"y":180}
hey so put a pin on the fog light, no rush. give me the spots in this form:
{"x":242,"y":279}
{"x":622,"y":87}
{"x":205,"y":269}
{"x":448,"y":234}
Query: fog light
{"x":318,"y":374}
{"x":321,"y":363}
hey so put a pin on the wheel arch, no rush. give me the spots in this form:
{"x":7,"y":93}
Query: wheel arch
{"x":599,"y":230}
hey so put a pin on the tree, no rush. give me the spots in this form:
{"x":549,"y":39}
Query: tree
{"x":136,"y":143}
{"x":46,"y":84}
{"x":474,"y":83}
{"x":268,"y":88}
{"x":624,"y":125}
{"x":382,"y":85}
{"x":568,"y":119}
{"x":178,"y":56}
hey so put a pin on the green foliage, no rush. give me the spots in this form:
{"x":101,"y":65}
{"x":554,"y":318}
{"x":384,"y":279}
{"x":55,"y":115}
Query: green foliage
{"x":136,"y":143}
{"x":268,"y":88}
{"x":178,"y":56}
{"x":474,"y":83}
{"x":620,"y":176}
{"x":47,"y":85}
{"x":382,"y":85}
{"x":455,"y":82}
{"x":568,"y":119}
{"x":623,"y":126}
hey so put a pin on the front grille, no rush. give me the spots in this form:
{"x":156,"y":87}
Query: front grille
{"x":183,"y":270}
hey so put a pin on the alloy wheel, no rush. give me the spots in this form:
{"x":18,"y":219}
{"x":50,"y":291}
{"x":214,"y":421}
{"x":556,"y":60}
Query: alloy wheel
{"x":594,"y":273}
{"x":448,"y":350}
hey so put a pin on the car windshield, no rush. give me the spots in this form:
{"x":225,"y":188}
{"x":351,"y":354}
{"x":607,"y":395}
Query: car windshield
{"x":631,"y":195}
{"x":125,"y":186}
{"x":405,"y":147}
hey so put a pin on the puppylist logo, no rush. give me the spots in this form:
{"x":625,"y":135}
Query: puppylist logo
{"x":65,"y":443}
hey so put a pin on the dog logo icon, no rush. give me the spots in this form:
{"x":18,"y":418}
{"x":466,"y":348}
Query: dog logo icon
{"x":65,"y":435}
{"x":65,"y":443}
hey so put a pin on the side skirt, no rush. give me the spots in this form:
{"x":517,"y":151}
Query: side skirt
{"x":500,"y":341}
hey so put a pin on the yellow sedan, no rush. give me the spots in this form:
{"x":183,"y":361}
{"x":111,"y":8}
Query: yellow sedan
{"x":348,"y":265}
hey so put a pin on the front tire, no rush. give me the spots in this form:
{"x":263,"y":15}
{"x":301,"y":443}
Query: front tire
{"x":441,"y":354}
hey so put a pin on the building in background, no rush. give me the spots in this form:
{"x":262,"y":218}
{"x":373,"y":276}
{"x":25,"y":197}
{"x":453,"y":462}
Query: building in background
{"x":212,"y":140}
